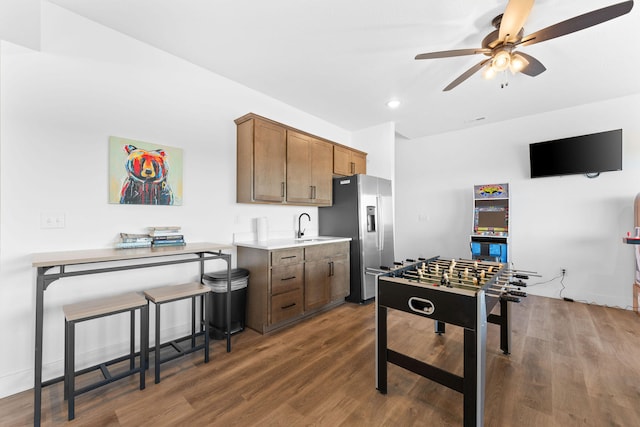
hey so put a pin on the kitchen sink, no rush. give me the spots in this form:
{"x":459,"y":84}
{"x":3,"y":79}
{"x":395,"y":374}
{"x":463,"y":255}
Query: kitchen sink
{"x":313,"y":239}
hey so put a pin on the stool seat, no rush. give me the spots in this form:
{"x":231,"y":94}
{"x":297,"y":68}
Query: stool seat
{"x":164,"y":294}
{"x":99,"y":307}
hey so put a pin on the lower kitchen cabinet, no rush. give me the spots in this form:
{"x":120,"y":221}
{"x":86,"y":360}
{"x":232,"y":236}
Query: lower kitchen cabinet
{"x":340,"y":273}
{"x":287,"y":285}
{"x":316,"y":279}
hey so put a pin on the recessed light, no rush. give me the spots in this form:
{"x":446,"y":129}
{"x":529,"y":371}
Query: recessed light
{"x":393,"y":103}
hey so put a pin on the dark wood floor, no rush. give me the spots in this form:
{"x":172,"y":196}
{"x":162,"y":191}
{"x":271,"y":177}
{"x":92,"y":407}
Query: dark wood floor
{"x":571,"y":365}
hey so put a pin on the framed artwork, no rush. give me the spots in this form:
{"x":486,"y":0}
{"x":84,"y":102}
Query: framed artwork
{"x":143,"y":173}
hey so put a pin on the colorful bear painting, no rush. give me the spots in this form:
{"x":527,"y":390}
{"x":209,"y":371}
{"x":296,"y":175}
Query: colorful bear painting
{"x":144,"y":174}
{"x":146,"y":183}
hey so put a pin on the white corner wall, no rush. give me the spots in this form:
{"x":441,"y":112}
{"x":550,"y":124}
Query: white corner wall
{"x":58,"y":108}
{"x":378,"y":139}
{"x":569,"y":222}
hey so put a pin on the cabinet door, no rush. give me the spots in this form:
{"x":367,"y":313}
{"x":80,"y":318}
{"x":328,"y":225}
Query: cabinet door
{"x":321,"y":172}
{"x":299,"y":188}
{"x":316,"y":284}
{"x":309,"y":170}
{"x":341,"y":161}
{"x":269,"y":157}
{"x":339,"y":278}
{"x":359,"y":162}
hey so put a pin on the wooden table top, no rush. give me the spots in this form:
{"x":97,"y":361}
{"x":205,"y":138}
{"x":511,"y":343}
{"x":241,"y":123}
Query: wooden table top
{"x":50,"y":259}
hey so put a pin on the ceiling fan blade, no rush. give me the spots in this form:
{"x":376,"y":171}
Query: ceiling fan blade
{"x":464,"y":76}
{"x":578,"y":23}
{"x":534,"y":67}
{"x":513,"y":19}
{"x":451,"y":53}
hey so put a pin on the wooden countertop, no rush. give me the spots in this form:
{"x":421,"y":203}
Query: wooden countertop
{"x":50,"y":259}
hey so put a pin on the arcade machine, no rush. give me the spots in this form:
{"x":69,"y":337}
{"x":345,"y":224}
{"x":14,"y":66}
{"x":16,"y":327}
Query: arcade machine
{"x":489,"y":241}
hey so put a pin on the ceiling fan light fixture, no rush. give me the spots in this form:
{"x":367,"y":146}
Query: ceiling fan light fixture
{"x":518,"y":63}
{"x":501,"y":60}
{"x":489,"y":72}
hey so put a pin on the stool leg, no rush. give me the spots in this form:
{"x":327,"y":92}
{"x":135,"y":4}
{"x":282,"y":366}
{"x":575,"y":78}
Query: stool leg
{"x":202,"y":311}
{"x":70,"y":377}
{"x":146,"y":359}
{"x":157,"y":343}
{"x":132,"y":341}
{"x":144,"y":343}
{"x":193,"y":321}
{"x":66,"y":359}
{"x":205,"y":311}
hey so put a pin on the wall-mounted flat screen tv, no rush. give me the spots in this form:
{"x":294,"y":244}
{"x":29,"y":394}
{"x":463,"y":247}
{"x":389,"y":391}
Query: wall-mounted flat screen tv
{"x":586,"y":154}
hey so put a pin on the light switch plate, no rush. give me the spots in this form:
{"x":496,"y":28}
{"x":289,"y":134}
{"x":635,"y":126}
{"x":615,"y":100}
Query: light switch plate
{"x":52,"y":220}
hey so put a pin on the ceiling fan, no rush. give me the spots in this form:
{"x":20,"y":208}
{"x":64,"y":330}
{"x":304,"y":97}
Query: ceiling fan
{"x":500,"y":45}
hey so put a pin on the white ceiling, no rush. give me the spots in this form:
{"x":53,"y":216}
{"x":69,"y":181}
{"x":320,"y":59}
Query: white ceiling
{"x":341,"y":60}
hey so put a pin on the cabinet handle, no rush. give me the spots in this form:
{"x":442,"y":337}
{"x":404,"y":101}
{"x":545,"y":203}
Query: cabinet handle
{"x":314,"y":191}
{"x":288,"y":278}
{"x":289,"y":257}
{"x":353,"y":167}
{"x":330,"y":268}
{"x":288,"y":306}
{"x":282,"y":189}
{"x":311,"y":191}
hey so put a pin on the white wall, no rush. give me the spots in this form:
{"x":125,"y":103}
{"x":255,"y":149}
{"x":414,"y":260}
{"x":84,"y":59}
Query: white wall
{"x":379,"y":140}
{"x":569,"y":222}
{"x":58,"y":108}
{"x":20,"y":22}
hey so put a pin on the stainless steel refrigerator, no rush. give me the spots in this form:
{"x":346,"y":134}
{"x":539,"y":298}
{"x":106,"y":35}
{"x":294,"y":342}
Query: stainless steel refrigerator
{"x":363,"y":210}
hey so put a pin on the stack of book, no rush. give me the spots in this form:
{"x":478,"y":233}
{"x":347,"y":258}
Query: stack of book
{"x":128,"y":240}
{"x":166,"y":236}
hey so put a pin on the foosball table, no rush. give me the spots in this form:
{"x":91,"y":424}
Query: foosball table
{"x":460,"y":292}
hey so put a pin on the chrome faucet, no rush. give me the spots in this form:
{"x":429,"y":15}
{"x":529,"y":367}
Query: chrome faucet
{"x":300,"y":231}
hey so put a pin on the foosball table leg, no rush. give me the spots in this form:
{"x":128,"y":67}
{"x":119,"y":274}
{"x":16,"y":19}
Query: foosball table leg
{"x":505,"y":327}
{"x":381,"y":349}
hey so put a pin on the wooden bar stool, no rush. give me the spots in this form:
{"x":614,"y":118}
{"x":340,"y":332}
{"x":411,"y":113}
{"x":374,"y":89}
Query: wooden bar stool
{"x":83,"y":311}
{"x":166,"y":294}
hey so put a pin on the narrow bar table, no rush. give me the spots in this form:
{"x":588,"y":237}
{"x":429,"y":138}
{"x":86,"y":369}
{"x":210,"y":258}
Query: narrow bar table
{"x":89,"y":262}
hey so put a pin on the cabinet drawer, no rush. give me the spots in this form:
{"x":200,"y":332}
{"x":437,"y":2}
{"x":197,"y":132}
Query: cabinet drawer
{"x":286,"y":256}
{"x":286,"y":278}
{"x":327,"y":250}
{"x":286,"y":306}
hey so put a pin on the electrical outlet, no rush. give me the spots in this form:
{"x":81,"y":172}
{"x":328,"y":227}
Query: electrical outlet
{"x":52,"y":220}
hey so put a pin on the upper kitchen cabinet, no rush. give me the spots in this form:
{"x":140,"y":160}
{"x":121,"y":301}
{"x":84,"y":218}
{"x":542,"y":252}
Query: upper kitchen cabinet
{"x":309,"y":170}
{"x":347,"y":161}
{"x":281,"y":165}
{"x":261,"y":161}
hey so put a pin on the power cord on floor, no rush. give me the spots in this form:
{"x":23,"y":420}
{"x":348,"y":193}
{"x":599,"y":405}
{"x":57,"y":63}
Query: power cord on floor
{"x":546,"y":281}
{"x":562,"y":285}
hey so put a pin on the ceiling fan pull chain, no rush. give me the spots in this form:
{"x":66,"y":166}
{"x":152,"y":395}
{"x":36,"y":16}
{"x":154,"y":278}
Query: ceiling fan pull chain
{"x":505,"y":82}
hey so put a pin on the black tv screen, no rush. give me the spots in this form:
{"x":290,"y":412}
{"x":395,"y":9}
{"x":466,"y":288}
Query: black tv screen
{"x":594,"y":153}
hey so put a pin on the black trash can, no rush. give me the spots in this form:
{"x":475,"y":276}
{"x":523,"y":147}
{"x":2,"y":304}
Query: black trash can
{"x":218,"y":301}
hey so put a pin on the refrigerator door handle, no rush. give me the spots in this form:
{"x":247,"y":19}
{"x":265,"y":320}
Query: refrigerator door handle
{"x":380,"y":223}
